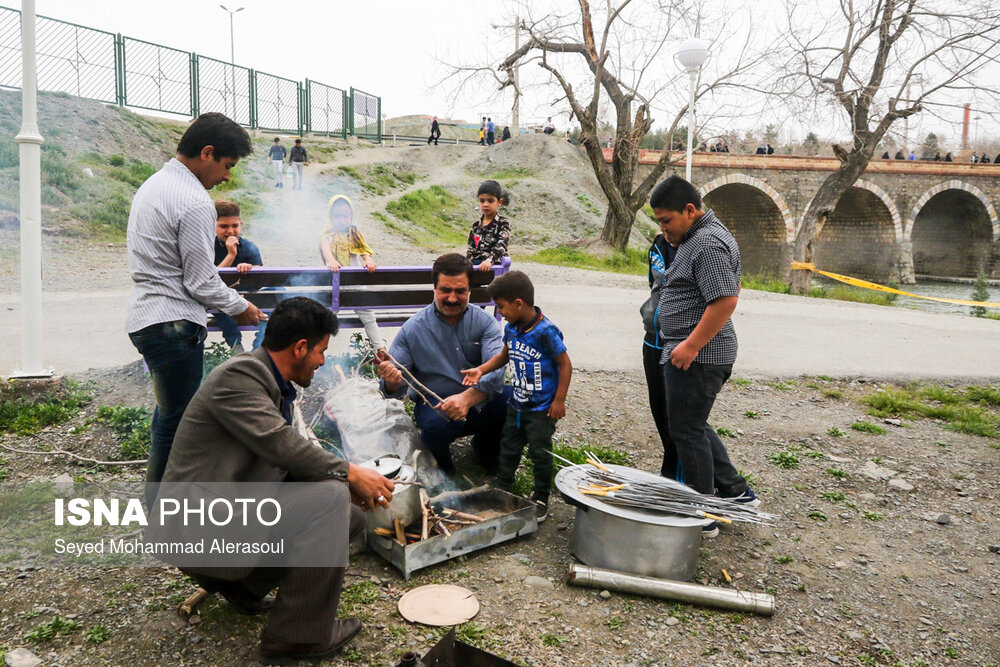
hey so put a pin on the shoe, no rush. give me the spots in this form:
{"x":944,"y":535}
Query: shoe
{"x":710,"y":531}
{"x":748,"y":498}
{"x":237,"y":595}
{"x":277,"y":652}
{"x":541,"y":510}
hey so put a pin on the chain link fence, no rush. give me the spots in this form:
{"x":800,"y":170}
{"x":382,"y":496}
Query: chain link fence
{"x":110,"y":68}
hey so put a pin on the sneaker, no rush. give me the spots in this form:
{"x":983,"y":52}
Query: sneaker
{"x":541,"y":510}
{"x":748,"y":498}
{"x":710,"y":531}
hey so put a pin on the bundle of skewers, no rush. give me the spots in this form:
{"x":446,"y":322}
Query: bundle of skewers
{"x":433,"y":521}
{"x":625,"y":488}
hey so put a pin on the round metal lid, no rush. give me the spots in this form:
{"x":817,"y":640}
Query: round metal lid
{"x":571,"y":478}
{"x":388,"y":465}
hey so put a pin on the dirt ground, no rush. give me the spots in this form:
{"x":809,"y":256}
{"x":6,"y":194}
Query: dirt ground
{"x":886,"y":577}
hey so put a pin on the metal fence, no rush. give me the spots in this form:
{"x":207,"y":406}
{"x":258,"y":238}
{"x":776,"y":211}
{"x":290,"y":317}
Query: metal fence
{"x":110,"y":68}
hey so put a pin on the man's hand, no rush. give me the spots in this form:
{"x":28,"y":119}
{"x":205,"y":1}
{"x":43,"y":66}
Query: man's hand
{"x":393,"y":376}
{"x":485,"y":265}
{"x":557,"y":410}
{"x":369,"y":488}
{"x":252,"y":316}
{"x":232,"y":242}
{"x":456,"y":406}
{"x":682,"y":355}
{"x":472,"y":377}
{"x":244,"y":267}
{"x":370,"y":264}
{"x":307,"y":164}
{"x":333,"y":265}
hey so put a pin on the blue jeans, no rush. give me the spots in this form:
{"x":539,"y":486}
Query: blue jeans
{"x":485,"y":425}
{"x":231,"y":330}
{"x":174,"y":352}
{"x":704,"y":460}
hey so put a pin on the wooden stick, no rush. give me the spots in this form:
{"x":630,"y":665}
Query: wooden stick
{"x":400,"y":536}
{"x":424,"y":512}
{"x":451,"y":495}
{"x":63,"y":452}
{"x":475,"y":518}
{"x":188,"y":606}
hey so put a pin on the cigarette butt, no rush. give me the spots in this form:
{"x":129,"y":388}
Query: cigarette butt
{"x":726,"y":575}
{"x":715,"y":517}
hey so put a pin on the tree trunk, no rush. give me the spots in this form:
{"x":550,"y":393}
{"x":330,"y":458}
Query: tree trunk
{"x":617,"y":226}
{"x":829,"y":193}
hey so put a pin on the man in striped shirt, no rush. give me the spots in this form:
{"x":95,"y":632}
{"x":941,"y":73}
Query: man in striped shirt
{"x":171,"y":229}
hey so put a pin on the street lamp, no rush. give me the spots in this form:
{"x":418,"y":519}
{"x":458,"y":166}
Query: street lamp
{"x":691,"y":55}
{"x":232,"y":55}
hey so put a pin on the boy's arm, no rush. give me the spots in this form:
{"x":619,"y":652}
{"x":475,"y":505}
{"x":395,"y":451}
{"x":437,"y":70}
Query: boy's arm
{"x":473,"y":375}
{"x":558,"y":408}
{"x":714,"y":318}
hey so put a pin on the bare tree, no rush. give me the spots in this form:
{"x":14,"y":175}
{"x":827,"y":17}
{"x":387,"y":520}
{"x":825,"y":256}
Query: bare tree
{"x":610,"y":53}
{"x":882,"y":61}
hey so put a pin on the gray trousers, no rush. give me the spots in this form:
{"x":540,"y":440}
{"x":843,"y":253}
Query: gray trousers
{"x":297,"y":175}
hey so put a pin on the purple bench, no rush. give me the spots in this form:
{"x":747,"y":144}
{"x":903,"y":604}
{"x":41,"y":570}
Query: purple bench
{"x":393,"y":293}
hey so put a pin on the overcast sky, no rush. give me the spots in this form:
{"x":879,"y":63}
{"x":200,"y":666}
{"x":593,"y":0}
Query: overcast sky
{"x":392,"y":48}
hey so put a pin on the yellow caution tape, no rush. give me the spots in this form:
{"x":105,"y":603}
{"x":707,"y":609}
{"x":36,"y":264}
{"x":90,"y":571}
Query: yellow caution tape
{"x":891,"y":290}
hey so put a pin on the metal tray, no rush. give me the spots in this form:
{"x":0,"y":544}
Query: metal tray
{"x":518,"y":519}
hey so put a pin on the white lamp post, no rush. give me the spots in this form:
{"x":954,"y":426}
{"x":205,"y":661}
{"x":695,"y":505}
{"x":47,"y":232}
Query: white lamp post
{"x":691,"y":55}
{"x":232,"y":55}
{"x":30,"y":149}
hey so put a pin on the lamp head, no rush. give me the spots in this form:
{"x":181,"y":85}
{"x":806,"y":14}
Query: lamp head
{"x":692,"y":54}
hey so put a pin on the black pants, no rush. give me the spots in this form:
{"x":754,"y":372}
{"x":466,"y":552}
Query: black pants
{"x":535,"y":430}
{"x":704,"y":459}
{"x":434,"y":137}
{"x":658,"y":408}
{"x":490,"y":138}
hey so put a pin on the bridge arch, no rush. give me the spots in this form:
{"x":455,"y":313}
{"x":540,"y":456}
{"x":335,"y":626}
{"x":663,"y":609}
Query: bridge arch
{"x":952,"y":228}
{"x":861,"y":234}
{"x":758,"y":217}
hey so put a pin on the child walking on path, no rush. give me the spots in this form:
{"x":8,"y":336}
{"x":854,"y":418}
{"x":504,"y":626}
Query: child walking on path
{"x":540,"y":372}
{"x":341,"y":244}
{"x":490,"y":234}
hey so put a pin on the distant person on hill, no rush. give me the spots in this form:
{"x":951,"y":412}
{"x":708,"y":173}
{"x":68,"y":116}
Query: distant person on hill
{"x":885,"y":156}
{"x":233,"y":250}
{"x":490,"y":234}
{"x":482,"y":136}
{"x":297,"y":159}
{"x":899,"y":155}
{"x":277,"y":157}
{"x":549,"y":126}
{"x":947,"y":157}
{"x":937,"y":156}
{"x":762,"y":149}
{"x":975,"y":157}
{"x":912,"y":156}
{"x":985,"y":159}
{"x":770,"y":149}
{"x":342,"y":244}
{"x":435,"y":132}
{"x":170,"y":231}
{"x":506,"y":134}
{"x":491,"y":137}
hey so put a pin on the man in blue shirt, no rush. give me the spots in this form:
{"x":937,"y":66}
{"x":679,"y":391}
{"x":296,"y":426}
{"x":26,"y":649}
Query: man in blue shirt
{"x":233,"y":250}
{"x":435,"y":345}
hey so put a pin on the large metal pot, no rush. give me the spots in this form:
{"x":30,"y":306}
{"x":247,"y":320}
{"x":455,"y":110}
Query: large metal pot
{"x":405,"y":504}
{"x":628,"y":540}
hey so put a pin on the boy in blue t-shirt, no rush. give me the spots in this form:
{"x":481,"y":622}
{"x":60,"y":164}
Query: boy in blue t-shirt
{"x":540,"y":371}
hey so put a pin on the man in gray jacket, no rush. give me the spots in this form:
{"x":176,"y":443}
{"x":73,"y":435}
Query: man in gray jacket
{"x":238,"y":428}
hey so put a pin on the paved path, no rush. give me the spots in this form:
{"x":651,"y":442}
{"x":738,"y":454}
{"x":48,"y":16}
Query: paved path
{"x":780,"y":336}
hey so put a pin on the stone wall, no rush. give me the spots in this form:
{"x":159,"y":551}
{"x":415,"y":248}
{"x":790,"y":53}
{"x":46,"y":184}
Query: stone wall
{"x":858,"y":238}
{"x":756,"y":223}
{"x":952,"y":236}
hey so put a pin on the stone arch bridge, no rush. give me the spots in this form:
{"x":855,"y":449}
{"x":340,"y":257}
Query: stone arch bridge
{"x":901,"y":220}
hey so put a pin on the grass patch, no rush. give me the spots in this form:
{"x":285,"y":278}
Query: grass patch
{"x":970,"y":410}
{"x":751,"y":414}
{"x":132,"y":429}
{"x":587,"y":204}
{"x":868,"y":427}
{"x":833,"y":393}
{"x":725,"y":432}
{"x":509,"y":173}
{"x":630,"y":261}
{"x":836,"y":473}
{"x":873,"y":516}
{"x":816,"y":514}
{"x":25,"y":417}
{"x":765,"y":282}
{"x":130,"y":171}
{"x":781,"y":385}
{"x":786,"y":459}
{"x":768,"y":282}
{"x":782,"y":560}
{"x":98,"y":634}
{"x":743,"y":383}
{"x":832,"y":496}
{"x":46,"y":632}
{"x":379,"y":179}
{"x":434,"y":217}
{"x":835,"y":432}
{"x":524,"y":476}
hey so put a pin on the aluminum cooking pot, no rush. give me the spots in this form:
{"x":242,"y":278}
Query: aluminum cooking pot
{"x":405,"y":503}
{"x":650,"y":544}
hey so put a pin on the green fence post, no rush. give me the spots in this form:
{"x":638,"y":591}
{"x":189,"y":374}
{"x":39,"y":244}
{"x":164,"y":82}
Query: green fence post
{"x":195,"y":104}
{"x":306,"y":107}
{"x":343,"y":116}
{"x":379,"y":121}
{"x":119,"y":70}
{"x":252,"y":97}
{"x":350,"y":109}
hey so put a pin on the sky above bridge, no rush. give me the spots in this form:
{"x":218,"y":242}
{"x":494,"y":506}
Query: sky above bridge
{"x":396,"y":49}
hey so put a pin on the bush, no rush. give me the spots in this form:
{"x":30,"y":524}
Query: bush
{"x":24,"y":417}
{"x":980,"y":292}
{"x":132,"y":429}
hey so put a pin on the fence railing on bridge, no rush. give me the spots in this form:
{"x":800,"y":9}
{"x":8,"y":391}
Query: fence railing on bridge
{"x":115,"y":69}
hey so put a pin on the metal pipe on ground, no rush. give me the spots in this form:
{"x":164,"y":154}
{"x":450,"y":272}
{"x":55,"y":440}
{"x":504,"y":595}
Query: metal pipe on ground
{"x":708,"y":596}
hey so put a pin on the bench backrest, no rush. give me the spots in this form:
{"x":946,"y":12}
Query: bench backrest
{"x":393,"y":293}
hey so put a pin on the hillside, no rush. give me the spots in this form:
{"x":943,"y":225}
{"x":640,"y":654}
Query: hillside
{"x":412,"y":201}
